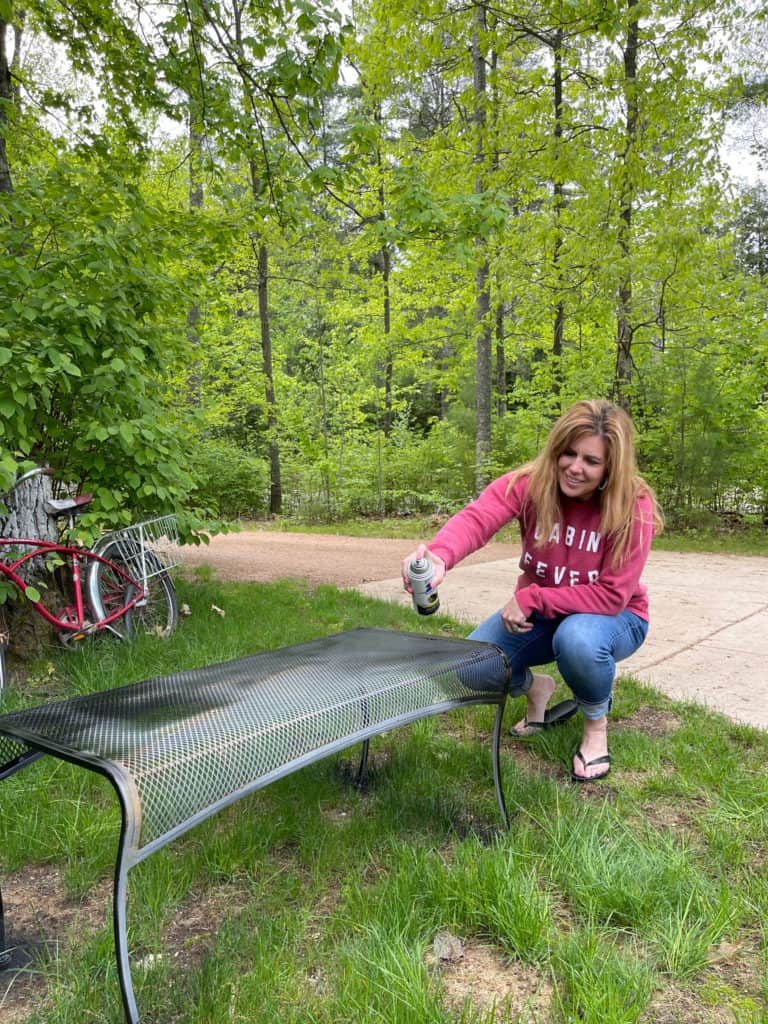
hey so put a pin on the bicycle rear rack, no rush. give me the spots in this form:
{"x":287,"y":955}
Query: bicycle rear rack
{"x":160,"y":536}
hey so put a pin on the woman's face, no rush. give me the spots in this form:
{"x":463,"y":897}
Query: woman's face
{"x":581,"y":467}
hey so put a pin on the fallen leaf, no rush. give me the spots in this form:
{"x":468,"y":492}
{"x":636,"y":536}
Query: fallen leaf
{"x":448,"y":947}
{"x":727,"y":951}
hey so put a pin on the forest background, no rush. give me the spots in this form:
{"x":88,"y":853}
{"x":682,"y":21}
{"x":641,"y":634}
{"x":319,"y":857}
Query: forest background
{"x":300,"y":259}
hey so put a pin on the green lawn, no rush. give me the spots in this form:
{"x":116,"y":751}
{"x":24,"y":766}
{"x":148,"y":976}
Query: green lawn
{"x":642,"y":898}
{"x":747,"y":538}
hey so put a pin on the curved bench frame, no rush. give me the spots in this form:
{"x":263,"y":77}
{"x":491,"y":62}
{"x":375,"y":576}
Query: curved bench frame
{"x":228,"y":730}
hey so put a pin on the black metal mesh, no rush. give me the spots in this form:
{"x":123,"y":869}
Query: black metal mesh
{"x":10,"y":750}
{"x":188,"y":740}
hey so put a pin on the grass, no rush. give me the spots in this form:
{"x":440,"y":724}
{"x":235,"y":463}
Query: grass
{"x":747,"y":538}
{"x":640,"y":899}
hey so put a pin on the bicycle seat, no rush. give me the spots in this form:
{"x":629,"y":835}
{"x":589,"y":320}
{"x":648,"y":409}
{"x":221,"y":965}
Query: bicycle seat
{"x":68,"y":506}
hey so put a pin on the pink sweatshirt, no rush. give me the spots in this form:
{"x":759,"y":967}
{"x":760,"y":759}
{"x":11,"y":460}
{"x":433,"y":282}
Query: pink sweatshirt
{"x":572,"y":571}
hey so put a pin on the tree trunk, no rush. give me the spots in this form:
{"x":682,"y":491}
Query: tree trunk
{"x":444,"y":361}
{"x":624,"y":331}
{"x":482,"y":288}
{"x":194,"y":378}
{"x":388,"y":363}
{"x":6,"y":98}
{"x":26,"y":515}
{"x":501,"y":363}
{"x":483,"y":367}
{"x":384,"y":263}
{"x":27,"y":631}
{"x":275,"y":483}
{"x":558,"y":205}
{"x":262,"y":259}
{"x":324,"y":421}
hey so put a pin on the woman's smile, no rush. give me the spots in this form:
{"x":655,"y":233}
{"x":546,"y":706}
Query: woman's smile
{"x":581,"y":467}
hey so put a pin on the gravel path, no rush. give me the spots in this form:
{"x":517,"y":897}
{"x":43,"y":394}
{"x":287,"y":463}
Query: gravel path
{"x":264,"y":555}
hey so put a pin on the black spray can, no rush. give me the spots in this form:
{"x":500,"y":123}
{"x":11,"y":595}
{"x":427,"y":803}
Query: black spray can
{"x":421,"y":572}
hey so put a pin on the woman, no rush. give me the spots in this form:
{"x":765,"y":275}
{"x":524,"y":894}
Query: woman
{"x":586,"y":523}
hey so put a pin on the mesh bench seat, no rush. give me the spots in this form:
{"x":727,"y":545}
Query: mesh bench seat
{"x":178,"y":748}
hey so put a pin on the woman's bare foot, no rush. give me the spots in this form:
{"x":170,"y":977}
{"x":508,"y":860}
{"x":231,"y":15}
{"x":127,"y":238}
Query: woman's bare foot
{"x":591,"y":760}
{"x":537,"y":697}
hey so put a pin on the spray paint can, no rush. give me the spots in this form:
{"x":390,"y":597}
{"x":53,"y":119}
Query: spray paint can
{"x":421,"y":572}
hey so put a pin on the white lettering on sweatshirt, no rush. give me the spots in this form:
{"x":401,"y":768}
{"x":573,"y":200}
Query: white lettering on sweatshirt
{"x":569,"y":537}
{"x":583,"y":540}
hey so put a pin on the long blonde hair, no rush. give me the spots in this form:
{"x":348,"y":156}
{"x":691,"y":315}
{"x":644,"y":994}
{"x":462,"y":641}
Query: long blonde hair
{"x":621,"y":485}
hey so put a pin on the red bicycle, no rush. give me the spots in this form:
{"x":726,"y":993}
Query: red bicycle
{"x":120,"y":586}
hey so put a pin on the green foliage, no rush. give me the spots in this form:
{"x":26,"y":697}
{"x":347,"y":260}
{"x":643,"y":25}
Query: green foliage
{"x":376,"y":201}
{"x":404,"y":474}
{"x":702,"y":436}
{"x":88,"y":328}
{"x":228,"y":481}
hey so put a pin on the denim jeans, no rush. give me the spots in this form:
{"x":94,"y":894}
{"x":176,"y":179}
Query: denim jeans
{"x":585,"y":647}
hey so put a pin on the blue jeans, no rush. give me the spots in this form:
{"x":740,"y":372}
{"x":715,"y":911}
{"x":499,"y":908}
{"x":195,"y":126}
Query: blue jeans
{"x":585,"y":647}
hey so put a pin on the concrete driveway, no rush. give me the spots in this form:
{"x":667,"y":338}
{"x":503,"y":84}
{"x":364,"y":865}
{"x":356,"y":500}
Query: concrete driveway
{"x":708,"y":637}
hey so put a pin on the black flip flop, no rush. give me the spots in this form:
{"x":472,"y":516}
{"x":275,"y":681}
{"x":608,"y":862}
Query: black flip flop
{"x":605,"y":759}
{"x":553,"y":716}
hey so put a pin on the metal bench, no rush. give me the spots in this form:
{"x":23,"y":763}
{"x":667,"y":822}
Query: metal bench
{"x":179,"y":748}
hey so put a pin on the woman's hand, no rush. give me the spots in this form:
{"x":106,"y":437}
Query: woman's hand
{"x":422,"y":551}
{"x":513,"y":618}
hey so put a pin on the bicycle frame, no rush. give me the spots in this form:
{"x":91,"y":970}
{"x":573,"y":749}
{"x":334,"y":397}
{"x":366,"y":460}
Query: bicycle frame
{"x":79,"y":626}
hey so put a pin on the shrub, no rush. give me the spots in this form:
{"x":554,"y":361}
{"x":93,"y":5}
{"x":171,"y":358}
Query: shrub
{"x":229,"y":481}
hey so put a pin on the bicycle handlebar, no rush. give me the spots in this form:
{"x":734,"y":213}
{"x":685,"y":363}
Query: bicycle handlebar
{"x":35,"y":471}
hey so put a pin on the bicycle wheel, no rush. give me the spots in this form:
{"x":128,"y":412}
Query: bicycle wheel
{"x":108,"y":590}
{"x":159,"y":612}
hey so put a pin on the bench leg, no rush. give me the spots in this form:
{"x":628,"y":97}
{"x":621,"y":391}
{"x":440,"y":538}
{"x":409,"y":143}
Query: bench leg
{"x":5,"y":954}
{"x":497,"y":764}
{"x":119,"y":908}
{"x":496,"y":754}
{"x":362,"y":766}
{"x":27,"y":756}
{"x":365,"y":716}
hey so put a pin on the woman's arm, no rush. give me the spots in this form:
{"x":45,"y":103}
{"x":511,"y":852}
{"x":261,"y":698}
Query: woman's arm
{"x":477,"y":522}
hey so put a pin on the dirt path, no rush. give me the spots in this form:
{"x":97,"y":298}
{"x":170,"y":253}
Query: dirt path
{"x":264,"y":555}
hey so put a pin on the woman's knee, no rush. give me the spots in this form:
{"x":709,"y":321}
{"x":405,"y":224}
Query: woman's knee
{"x":600,"y":640}
{"x":492,"y":631}
{"x":576,"y":645}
